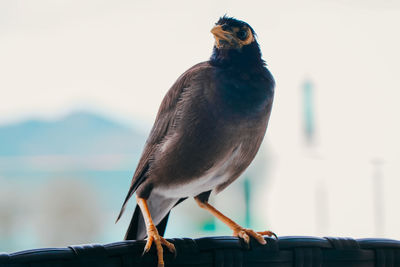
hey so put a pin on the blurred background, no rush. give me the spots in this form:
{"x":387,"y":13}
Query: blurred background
{"x":81,"y":82}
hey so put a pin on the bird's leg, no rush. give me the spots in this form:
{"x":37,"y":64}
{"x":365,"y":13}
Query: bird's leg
{"x":152,"y":233}
{"x":236,"y":228}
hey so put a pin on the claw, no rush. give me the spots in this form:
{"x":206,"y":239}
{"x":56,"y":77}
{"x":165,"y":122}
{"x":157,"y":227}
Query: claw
{"x":148,"y":245}
{"x":243,"y":235}
{"x":246,"y":233}
{"x":153,"y":236}
{"x":268,"y":233}
{"x":169,"y":245}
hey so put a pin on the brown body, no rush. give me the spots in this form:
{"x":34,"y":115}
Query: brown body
{"x":208,"y":130}
{"x":201,"y":135}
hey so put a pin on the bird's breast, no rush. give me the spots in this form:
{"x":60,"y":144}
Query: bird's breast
{"x":243,"y":94}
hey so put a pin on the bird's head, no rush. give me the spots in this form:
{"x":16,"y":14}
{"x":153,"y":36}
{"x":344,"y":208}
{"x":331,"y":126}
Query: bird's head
{"x":230,"y":33}
{"x":235,"y":42}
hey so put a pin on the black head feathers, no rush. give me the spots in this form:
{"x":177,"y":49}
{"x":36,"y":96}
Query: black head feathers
{"x":235,"y":44}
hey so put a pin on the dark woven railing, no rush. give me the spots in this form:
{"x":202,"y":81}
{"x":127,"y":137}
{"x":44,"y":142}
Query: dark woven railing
{"x":220,"y":251}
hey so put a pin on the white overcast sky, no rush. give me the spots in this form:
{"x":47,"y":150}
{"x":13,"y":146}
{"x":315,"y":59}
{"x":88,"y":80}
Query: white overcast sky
{"x":120,"y":57}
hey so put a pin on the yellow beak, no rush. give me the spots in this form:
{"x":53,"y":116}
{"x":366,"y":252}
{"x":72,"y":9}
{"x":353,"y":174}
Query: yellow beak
{"x":220,"y":34}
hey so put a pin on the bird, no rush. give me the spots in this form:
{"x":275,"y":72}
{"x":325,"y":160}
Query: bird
{"x":207,"y":131}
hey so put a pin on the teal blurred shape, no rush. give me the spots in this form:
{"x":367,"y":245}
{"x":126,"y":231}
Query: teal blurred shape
{"x":247,"y":194}
{"x":309,"y":121}
{"x":80,"y":133}
{"x":209,"y":225}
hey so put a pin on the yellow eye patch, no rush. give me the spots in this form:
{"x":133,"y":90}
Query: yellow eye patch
{"x":248,"y":40}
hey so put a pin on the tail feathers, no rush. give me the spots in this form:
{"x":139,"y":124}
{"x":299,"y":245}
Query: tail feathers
{"x":120,"y":214}
{"x":136,"y":181}
{"x":137,"y":226}
{"x":128,"y":196}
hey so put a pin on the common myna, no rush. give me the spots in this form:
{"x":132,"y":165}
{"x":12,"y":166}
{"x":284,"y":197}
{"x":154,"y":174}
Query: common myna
{"x":208,"y":129}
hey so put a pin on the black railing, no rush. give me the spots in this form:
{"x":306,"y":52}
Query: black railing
{"x":220,"y":251}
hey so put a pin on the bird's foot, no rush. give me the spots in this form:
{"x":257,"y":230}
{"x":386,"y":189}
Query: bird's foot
{"x":153,"y":236}
{"x":245,"y":234}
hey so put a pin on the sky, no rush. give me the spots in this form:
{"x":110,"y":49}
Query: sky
{"x":120,"y":57}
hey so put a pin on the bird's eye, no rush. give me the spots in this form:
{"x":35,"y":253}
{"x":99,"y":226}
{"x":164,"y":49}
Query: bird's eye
{"x":225,"y":27}
{"x":242,"y":34}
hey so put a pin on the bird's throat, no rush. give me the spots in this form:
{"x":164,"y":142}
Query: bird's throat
{"x":247,"y":57}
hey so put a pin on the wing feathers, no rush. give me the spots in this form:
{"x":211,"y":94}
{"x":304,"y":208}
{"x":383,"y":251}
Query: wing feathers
{"x":166,"y":118}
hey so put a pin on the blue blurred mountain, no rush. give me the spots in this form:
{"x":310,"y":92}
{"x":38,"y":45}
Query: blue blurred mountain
{"x":80,"y":133}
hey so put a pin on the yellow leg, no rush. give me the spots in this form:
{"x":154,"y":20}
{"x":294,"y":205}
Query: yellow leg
{"x":152,"y":233}
{"x":236,"y":228}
